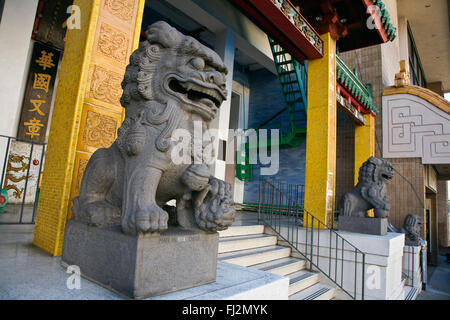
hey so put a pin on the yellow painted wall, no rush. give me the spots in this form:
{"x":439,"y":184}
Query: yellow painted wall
{"x":364,"y":143}
{"x":364,"y":146}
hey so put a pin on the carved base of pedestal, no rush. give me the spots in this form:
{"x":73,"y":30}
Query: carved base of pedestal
{"x":375,"y":226}
{"x":141,"y":266}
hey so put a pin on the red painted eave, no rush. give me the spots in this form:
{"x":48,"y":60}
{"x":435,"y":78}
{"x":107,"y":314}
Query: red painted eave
{"x":376,"y":20}
{"x":266,"y":15}
{"x":344,"y":92}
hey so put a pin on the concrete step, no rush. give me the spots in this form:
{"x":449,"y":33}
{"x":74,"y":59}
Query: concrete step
{"x":411,"y":293}
{"x":301,"y":280}
{"x":235,"y":231}
{"x":251,"y":257}
{"x":238,"y":243}
{"x":283,"y":266}
{"x":318,"y":291}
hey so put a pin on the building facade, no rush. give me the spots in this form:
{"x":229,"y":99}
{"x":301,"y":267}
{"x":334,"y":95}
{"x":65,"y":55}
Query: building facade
{"x":406,"y":93}
{"x":291,"y":69}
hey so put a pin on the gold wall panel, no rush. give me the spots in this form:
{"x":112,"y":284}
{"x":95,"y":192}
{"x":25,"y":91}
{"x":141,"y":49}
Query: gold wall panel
{"x":98,"y":128}
{"x":113,"y":43}
{"x":123,"y":10}
{"x":104,"y":87}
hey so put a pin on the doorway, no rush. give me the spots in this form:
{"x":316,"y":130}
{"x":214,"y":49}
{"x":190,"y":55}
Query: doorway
{"x":431,"y":227}
{"x":231,"y":146}
{"x":238,"y":120}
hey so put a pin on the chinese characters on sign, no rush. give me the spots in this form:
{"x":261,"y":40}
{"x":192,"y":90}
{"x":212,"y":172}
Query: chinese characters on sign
{"x":38,"y":94}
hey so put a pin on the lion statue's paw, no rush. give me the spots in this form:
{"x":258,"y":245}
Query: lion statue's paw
{"x":147,"y":220}
{"x":98,"y":213}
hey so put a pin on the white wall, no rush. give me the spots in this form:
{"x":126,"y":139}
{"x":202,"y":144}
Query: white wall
{"x":403,"y":39}
{"x":390,"y":51}
{"x":15,"y":36}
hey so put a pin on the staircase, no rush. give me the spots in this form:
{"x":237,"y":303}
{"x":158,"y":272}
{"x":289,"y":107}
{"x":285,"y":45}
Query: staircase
{"x":246,"y":244}
{"x":293,"y":77}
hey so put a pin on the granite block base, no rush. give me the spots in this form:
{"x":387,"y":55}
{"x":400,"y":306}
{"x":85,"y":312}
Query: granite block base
{"x":375,"y":226}
{"x":145,"y":265}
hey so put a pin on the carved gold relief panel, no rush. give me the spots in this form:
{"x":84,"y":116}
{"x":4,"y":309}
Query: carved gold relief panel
{"x":104,"y":87}
{"x":124,"y":10}
{"x":98,"y":128}
{"x":113,"y":43}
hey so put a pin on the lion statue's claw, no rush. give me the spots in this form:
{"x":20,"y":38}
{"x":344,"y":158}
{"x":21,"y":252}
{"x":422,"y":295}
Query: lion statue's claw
{"x":147,"y":220}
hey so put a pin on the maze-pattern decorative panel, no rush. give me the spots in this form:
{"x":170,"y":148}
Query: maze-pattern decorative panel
{"x":414,"y":128}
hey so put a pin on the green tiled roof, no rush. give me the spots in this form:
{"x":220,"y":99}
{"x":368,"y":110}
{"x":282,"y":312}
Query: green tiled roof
{"x":347,"y":78}
{"x":386,"y":20}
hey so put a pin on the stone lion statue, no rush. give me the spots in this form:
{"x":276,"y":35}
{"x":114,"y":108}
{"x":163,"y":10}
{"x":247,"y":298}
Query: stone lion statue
{"x":411,"y":228}
{"x":171,"y":82}
{"x":370,"y":192}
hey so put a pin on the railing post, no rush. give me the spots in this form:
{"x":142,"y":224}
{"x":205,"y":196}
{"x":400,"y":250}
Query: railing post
{"x":342,"y":263}
{"x":312,"y":238}
{"x":260,"y":202}
{"x":363,"y":289}
{"x":26,"y":182}
{"x":413,"y":268}
{"x":36,"y":196}
{"x":5,"y":162}
{"x":356,"y":270}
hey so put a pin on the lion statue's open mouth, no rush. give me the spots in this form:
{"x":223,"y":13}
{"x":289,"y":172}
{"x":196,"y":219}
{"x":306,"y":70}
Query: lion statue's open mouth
{"x":196,"y":93}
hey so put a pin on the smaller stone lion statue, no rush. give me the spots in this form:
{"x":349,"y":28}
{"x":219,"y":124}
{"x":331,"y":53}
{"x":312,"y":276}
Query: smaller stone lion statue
{"x":411,"y":228}
{"x":370,"y":192}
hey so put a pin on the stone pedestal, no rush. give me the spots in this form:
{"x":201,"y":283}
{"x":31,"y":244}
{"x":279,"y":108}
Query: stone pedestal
{"x":141,"y":266}
{"x":375,"y":226}
{"x":412,"y":266}
{"x":235,"y":283}
{"x":383,"y":269}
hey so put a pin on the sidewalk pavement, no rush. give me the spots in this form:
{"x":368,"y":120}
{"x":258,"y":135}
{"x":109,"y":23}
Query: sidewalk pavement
{"x":438,"y":287}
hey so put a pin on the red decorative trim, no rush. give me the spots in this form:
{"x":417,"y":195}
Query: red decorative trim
{"x":38,"y":19}
{"x":274,"y":22}
{"x":377,"y":20}
{"x":345,"y":93}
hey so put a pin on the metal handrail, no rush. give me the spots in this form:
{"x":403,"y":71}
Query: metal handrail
{"x":287,"y":224}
